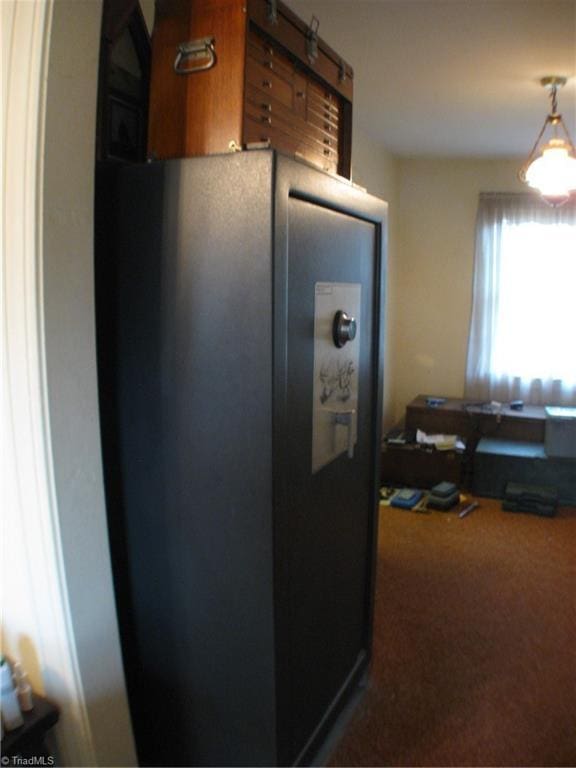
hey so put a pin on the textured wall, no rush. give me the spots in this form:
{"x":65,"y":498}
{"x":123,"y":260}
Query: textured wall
{"x":437,"y":201}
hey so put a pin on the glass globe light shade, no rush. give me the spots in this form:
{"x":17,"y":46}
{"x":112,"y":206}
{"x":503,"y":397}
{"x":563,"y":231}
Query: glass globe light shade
{"x":554,"y":172}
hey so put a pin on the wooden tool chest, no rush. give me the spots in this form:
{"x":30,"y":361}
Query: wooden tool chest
{"x":227,"y":74}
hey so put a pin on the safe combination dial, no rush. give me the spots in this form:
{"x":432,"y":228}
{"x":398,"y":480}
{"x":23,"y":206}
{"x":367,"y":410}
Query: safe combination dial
{"x":343,"y":328}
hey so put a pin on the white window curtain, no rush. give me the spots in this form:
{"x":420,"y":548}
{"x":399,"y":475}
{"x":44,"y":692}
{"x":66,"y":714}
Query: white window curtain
{"x":522,"y":342}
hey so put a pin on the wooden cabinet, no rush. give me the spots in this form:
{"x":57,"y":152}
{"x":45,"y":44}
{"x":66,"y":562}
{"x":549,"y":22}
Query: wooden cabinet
{"x":420,"y":468}
{"x":264,"y":78}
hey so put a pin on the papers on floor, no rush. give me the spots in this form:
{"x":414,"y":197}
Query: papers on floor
{"x":440,"y":442}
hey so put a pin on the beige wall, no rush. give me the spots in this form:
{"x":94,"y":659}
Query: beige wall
{"x":148,"y":9}
{"x":70,"y":339}
{"x":432,"y":280}
{"x":376,"y":170}
{"x":59,"y":614}
{"x":372,"y":166}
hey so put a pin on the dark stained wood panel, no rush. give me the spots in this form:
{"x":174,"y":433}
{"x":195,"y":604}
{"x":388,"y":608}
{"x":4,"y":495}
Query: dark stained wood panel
{"x":200,"y":113}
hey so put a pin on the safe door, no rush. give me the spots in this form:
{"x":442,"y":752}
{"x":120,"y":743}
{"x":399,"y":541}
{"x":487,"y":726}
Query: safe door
{"x":329,"y":452}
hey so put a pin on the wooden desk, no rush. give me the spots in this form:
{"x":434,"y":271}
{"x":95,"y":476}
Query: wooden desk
{"x":456,"y":416}
{"x":473,"y":421}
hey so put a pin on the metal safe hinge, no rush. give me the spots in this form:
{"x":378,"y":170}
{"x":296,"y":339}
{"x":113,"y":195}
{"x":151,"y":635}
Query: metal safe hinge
{"x":272,"y":11}
{"x":195,"y":56}
{"x":312,"y":40}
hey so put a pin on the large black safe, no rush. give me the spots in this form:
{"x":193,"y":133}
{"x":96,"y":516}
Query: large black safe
{"x":241,"y":424}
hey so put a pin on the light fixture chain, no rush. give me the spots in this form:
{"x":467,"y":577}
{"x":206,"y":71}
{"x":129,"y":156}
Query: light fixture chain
{"x":532,"y":154}
{"x":553,"y":93}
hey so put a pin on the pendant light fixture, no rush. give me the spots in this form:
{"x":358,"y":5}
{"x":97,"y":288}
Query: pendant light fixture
{"x":551,"y":166}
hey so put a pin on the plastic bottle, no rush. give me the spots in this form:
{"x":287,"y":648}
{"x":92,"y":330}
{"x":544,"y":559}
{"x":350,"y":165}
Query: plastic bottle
{"x":11,"y":714}
{"x":23,"y":688}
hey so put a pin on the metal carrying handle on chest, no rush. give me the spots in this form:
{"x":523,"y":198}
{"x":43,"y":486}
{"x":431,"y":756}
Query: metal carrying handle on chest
{"x":195,"y":56}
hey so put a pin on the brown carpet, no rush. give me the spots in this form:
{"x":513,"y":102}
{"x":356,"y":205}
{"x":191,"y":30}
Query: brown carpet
{"x":474,"y":643}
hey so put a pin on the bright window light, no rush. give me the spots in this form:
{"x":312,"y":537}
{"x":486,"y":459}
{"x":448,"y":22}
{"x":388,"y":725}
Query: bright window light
{"x":536,"y":309}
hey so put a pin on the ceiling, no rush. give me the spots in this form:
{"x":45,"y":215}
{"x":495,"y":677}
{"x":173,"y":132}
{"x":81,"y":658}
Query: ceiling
{"x":452,"y":77}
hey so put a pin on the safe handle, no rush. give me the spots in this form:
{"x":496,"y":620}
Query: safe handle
{"x":346,"y":419}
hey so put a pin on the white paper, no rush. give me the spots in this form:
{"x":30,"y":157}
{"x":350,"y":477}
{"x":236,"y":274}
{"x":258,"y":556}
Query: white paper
{"x":335,"y":372}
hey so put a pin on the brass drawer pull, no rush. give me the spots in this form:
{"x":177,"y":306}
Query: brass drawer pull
{"x":266,"y":84}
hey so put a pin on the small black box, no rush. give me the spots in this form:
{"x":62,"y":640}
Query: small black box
{"x":443,"y":504}
{"x":444,"y":489}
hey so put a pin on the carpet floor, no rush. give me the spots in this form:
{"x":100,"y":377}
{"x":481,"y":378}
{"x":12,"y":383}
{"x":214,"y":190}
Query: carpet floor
{"x":474,"y":660}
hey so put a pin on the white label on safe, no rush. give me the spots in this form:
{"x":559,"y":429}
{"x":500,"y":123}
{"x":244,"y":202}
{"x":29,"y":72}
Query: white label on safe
{"x":335,"y":407}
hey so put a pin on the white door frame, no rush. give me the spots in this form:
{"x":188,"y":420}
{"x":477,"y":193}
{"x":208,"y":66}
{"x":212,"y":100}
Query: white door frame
{"x":58,"y":603}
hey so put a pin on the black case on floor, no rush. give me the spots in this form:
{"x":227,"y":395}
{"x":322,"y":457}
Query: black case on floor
{"x":536,"y":499}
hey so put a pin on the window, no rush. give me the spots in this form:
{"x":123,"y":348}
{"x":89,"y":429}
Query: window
{"x":523,"y":328}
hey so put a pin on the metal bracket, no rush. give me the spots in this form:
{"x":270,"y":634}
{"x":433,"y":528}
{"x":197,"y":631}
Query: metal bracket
{"x":272,"y":11}
{"x":312,"y":40}
{"x":199,"y":55}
